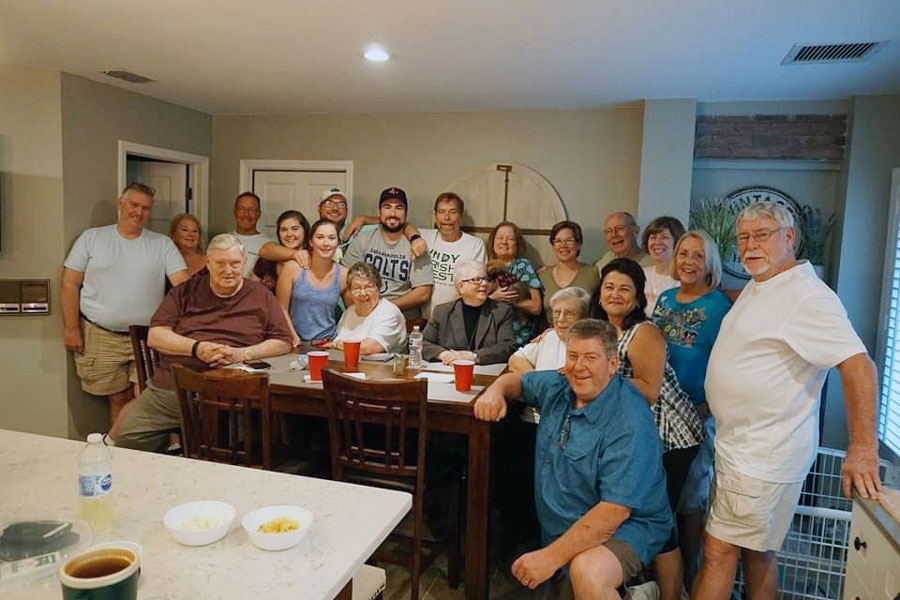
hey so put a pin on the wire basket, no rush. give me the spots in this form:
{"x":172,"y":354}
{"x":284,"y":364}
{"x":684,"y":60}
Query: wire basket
{"x":812,"y":561}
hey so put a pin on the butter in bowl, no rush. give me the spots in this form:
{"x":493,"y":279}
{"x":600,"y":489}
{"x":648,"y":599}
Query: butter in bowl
{"x":200,"y":523}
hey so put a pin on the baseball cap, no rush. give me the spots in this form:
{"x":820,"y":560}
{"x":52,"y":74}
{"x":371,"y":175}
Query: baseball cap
{"x":332,"y":191}
{"x":393,"y":193}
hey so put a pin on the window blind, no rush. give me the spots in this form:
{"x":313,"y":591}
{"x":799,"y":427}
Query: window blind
{"x":889,"y":417}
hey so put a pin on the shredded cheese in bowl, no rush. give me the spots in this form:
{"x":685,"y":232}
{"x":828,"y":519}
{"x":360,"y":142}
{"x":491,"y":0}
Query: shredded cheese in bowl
{"x":200,"y":523}
{"x":279,"y":525}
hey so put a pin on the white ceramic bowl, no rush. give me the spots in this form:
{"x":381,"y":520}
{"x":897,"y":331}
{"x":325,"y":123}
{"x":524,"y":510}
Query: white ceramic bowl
{"x":211,"y":509}
{"x":277,"y":541}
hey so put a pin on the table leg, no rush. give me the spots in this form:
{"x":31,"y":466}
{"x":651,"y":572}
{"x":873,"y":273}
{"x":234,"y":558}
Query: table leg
{"x":478,"y":512}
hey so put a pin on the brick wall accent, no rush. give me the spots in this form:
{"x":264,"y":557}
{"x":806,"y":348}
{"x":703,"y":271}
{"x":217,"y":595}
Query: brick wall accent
{"x":807,"y":137}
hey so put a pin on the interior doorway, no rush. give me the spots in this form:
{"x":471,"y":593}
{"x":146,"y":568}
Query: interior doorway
{"x":181,"y":181}
{"x":294,"y":185}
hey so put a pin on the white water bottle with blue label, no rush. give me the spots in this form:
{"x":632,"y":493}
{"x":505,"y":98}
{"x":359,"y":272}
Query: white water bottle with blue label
{"x":415,"y":348}
{"x":95,"y":482}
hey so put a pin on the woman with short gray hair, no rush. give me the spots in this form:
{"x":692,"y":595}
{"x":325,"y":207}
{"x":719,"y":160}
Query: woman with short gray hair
{"x":376,"y":322}
{"x":567,"y":307}
{"x":472,"y":327}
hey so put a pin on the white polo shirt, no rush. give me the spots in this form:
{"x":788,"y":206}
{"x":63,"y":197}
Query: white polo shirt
{"x":767,"y":369}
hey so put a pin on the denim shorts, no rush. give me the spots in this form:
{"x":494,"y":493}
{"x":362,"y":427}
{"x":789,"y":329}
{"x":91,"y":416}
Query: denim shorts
{"x":695,"y":493}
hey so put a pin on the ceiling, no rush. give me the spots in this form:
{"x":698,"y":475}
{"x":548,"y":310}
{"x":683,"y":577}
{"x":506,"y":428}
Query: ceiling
{"x":289,"y":56}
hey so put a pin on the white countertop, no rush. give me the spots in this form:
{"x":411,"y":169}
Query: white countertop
{"x":39,"y":478}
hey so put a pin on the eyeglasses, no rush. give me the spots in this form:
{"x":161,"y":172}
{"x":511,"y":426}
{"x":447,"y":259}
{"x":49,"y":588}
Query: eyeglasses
{"x":616,"y":229}
{"x":354,"y":289}
{"x":564,"y":242}
{"x":333,"y":204}
{"x":759,"y":237}
{"x":247,"y":211}
{"x":568,"y":314}
{"x":475,"y":280}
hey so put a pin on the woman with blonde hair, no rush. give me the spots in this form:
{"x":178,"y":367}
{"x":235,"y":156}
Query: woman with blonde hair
{"x":689,"y":318}
{"x":187,"y":235}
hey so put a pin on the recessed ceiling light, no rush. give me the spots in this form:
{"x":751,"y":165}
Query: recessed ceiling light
{"x":376,"y":54}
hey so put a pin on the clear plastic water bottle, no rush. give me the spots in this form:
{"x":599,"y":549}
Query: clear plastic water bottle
{"x":95,"y":482}
{"x":415,"y":348}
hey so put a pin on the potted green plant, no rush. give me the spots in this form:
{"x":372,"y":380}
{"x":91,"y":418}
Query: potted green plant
{"x":716,"y":217}
{"x":816,"y":231}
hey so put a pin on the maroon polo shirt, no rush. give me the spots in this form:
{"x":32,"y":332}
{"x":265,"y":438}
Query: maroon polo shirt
{"x":192,"y":309}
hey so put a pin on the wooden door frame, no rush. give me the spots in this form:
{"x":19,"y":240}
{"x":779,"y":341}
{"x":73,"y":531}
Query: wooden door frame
{"x":248,"y":166}
{"x":199,"y":173}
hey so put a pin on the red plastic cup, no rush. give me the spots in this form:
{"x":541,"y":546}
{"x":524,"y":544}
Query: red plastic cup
{"x":317,"y":361}
{"x":463,"y":370}
{"x":351,"y":355}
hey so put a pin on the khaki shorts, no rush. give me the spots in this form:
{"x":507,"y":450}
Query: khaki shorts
{"x":560,"y":588}
{"x":106,"y":366}
{"x":751,"y":513}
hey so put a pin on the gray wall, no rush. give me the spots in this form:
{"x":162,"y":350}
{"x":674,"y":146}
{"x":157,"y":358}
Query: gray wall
{"x":874,"y":152}
{"x":32,"y":357}
{"x":94,"y":118}
{"x":592,"y":157}
{"x":667,"y":155}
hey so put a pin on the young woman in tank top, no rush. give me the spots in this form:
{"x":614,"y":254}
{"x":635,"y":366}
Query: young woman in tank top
{"x":309,"y":296}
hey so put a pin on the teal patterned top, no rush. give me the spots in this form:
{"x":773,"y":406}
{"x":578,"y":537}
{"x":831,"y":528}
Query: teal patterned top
{"x":525,"y":325}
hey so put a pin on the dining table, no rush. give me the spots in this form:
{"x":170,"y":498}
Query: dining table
{"x":449,"y":411}
{"x":40,"y":481}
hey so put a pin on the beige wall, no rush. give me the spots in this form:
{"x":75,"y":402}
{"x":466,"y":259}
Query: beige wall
{"x":32,"y":359}
{"x":592,"y":157}
{"x":94,"y":118}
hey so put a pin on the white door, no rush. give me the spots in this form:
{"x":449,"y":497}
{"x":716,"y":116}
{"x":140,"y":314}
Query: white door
{"x":281,"y":190}
{"x":171,"y":183}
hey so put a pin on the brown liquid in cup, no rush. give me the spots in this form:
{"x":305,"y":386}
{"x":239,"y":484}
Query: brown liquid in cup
{"x":101,"y":566}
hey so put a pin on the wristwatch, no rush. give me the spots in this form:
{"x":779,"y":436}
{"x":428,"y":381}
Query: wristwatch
{"x":415,"y":237}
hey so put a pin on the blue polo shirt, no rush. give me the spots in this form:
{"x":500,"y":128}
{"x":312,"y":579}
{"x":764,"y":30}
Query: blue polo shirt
{"x":608,"y":450}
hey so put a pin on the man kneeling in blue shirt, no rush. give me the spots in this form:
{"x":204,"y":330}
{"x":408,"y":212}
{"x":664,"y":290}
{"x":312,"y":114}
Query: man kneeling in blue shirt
{"x":600,"y":488}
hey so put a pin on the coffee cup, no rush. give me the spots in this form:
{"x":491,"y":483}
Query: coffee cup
{"x":318,"y":360}
{"x":101,"y":574}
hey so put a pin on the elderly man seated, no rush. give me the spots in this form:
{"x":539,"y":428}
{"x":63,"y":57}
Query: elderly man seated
{"x":375,"y":321}
{"x":472,"y":327}
{"x":600,"y":487}
{"x":567,"y":306}
{"x":216,"y":318}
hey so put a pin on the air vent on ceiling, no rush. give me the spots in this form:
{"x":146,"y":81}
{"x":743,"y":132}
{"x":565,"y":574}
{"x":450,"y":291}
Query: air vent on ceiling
{"x":804,"y":54}
{"x":127,"y":76}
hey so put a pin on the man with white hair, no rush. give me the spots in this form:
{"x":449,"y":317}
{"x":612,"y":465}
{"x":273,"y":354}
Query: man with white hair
{"x":113,"y":277}
{"x":215,"y":319}
{"x":472,"y":327}
{"x":765,"y":374}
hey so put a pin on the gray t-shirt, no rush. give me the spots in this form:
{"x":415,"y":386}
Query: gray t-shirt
{"x":251,"y":244}
{"x":124,"y":280}
{"x":399,"y":272}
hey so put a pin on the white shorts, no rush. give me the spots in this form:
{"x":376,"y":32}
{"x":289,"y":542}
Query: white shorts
{"x":749,"y":512}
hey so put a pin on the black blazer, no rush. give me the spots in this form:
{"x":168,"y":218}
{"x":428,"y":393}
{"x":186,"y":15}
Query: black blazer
{"x":446,"y":330}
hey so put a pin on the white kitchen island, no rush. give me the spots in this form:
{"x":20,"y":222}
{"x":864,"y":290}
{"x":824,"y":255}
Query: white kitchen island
{"x":39,"y":479}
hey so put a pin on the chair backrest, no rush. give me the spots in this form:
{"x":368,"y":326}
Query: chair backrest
{"x":145,"y":358}
{"x":370,"y":423}
{"x":411,"y":323}
{"x":218,"y":416}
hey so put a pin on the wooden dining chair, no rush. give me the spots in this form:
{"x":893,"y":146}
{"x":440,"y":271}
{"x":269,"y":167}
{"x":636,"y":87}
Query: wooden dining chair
{"x":378,"y":432}
{"x":146,"y":358}
{"x":225,"y":418}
